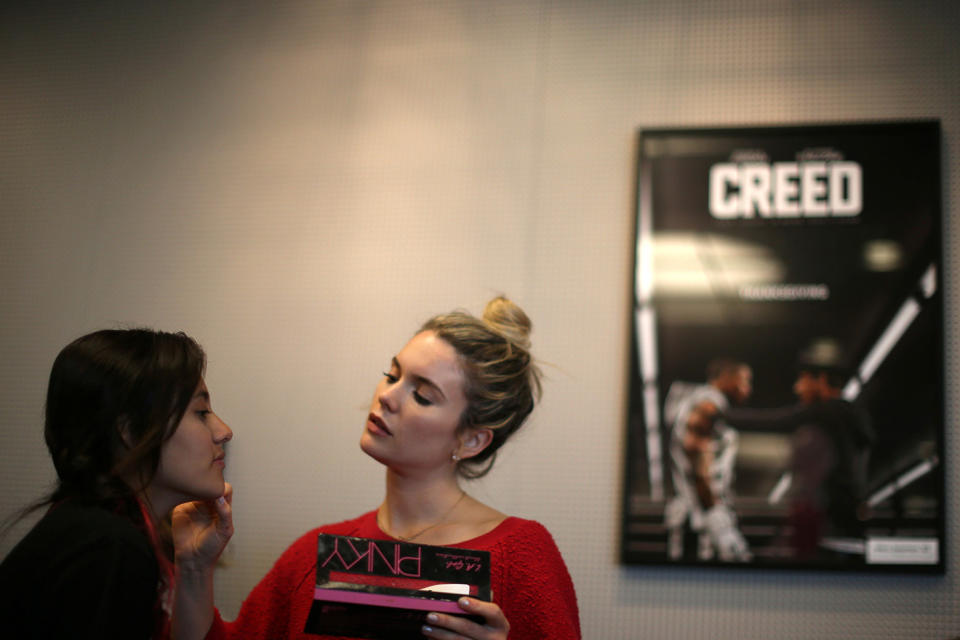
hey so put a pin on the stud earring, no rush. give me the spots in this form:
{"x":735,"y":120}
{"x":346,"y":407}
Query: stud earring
{"x":455,"y":457}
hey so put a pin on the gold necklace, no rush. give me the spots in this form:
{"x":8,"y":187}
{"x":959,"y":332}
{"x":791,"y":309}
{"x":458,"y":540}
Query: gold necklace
{"x":442,"y":519}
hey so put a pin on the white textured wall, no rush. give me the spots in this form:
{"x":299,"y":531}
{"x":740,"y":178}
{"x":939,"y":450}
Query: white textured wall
{"x":299,"y":185}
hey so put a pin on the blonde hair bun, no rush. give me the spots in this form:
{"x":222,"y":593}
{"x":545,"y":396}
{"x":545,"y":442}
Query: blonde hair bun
{"x":501,"y":380}
{"x":509,"y":320}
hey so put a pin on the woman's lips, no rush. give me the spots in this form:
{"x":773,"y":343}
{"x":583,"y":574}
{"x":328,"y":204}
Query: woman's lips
{"x":377,"y":426}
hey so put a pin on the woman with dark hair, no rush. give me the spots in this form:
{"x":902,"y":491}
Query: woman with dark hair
{"x":446,"y":404}
{"x":132,"y":434}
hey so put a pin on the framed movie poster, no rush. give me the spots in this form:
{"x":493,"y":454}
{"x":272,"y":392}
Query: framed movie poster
{"x":786,"y":393}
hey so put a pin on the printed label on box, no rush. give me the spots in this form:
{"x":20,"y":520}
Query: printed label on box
{"x":370,"y":588}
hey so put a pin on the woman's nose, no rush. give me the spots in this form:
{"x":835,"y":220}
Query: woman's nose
{"x":387,"y":398}
{"x":222,"y":431}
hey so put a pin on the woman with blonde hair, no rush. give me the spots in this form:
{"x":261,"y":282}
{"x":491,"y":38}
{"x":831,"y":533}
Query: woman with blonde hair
{"x":449,"y":400}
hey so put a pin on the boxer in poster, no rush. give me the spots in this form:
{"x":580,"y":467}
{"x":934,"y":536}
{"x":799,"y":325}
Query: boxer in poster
{"x":703,"y":449}
{"x":830,"y":441}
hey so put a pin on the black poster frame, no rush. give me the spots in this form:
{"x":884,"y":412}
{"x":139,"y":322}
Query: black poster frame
{"x":807,"y":252}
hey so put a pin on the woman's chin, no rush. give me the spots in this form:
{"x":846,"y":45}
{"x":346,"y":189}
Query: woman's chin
{"x":370,"y":449}
{"x":211,"y":492}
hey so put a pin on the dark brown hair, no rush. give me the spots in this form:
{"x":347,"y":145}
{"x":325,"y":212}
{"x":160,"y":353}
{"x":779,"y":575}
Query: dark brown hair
{"x":114,"y":397}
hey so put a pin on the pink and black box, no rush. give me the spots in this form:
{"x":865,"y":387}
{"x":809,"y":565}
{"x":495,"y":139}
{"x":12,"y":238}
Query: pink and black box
{"x":384,"y":589}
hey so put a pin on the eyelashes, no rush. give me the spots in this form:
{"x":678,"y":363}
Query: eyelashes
{"x":418,"y":397}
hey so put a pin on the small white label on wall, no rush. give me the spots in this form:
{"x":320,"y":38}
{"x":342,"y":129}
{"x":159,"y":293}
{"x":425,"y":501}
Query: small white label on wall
{"x":903,"y":551}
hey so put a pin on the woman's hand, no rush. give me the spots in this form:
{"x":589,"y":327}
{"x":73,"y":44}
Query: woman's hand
{"x":446,"y":627}
{"x":201,"y":530}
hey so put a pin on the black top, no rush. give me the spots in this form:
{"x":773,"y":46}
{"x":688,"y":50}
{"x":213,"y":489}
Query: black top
{"x":81,"y":572}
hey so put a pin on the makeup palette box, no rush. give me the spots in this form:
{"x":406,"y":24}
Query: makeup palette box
{"x":384,"y":589}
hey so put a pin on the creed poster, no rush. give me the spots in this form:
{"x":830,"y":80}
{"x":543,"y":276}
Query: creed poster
{"x":786,"y":383}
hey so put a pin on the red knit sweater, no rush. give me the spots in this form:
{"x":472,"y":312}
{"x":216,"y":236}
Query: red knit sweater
{"x":530,"y":582}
